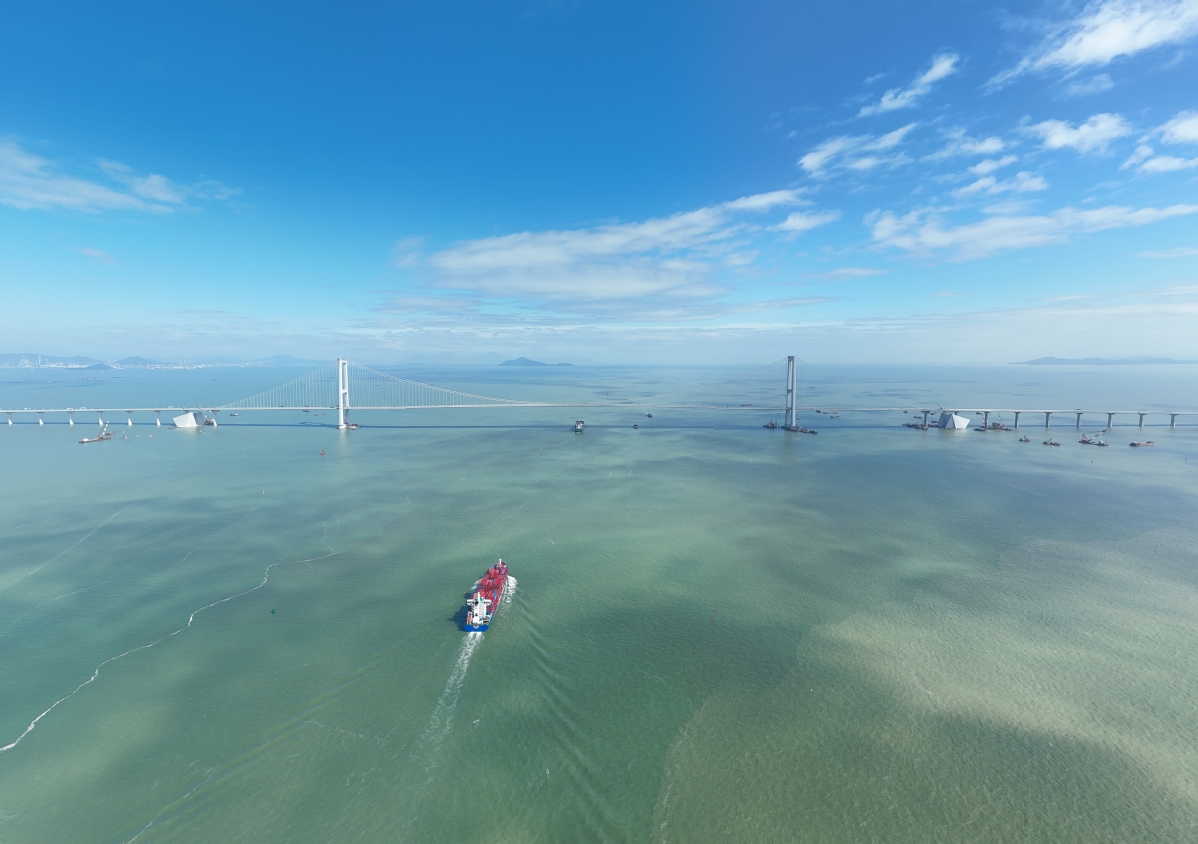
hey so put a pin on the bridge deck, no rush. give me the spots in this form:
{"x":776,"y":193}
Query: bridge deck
{"x":598,"y":405}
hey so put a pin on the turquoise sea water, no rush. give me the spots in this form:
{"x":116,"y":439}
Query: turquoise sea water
{"x":719,"y":632}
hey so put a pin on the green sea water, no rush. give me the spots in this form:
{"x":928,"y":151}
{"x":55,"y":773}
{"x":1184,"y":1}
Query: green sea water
{"x":718,"y":632}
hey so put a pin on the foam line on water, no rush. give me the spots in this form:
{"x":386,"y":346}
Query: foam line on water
{"x":438,"y":725}
{"x":190,"y":619}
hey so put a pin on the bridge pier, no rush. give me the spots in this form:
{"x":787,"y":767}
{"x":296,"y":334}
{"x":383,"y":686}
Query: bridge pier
{"x":1017,"y":412}
{"x":70,"y":417}
{"x":1109,"y":418}
{"x":130,"y":422}
{"x":41,"y":418}
{"x":1142,"y":420}
{"x":925,"y":418}
{"x":100,"y":416}
{"x":791,"y":423}
{"x":214,"y":425}
{"x":10,"y":419}
{"x":158,"y":418}
{"x":1079,"y":419}
{"x":1047,"y":414}
{"x":342,"y":392}
{"x":986,"y":419}
{"x":1172,"y":420}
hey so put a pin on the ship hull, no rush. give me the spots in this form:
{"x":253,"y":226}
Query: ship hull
{"x":481,"y":628}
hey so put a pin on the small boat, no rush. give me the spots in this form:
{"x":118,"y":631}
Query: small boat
{"x":322,"y":452}
{"x":1143,"y":444}
{"x":650,"y":415}
{"x":636,"y":427}
{"x":1088,"y":440}
{"x":807,"y":431}
{"x":773,"y":423}
{"x":234,"y":414}
{"x":1025,"y":439}
{"x":1051,"y":442}
{"x":579,"y":426}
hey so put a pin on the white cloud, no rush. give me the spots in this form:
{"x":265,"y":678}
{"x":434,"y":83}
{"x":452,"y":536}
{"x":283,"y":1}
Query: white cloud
{"x":28,"y":181}
{"x":1106,"y":30}
{"x":1167,"y":164}
{"x":943,"y":65}
{"x":800,"y":221}
{"x":1182,"y":129}
{"x":766,"y":201}
{"x":668,"y":257}
{"x":1023,"y":182}
{"x":1177,"y":252}
{"x":847,"y":151}
{"x":1143,"y":153}
{"x":989,"y":165}
{"x":960,"y":143}
{"x":1095,"y":135}
{"x":921,"y":232}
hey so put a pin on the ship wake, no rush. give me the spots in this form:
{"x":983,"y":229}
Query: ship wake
{"x":439,"y":723}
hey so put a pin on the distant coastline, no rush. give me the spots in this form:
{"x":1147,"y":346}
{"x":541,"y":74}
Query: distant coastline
{"x":36,"y":361}
{"x":1104,"y":362}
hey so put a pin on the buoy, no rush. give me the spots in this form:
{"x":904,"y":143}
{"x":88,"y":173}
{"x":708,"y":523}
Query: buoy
{"x":272,"y":610}
{"x":322,"y":452}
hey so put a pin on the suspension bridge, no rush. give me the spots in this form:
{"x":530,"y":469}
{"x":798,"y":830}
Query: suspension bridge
{"x":344,"y":386}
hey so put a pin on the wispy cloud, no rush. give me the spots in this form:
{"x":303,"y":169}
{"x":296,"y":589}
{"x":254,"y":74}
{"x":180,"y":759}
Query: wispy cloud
{"x":798,"y":222}
{"x":943,"y":65}
{"x":922,"y":232}
{"x":1086,"y":87}
{"x":989,"y":165}
{"x":1095,"y":135}
{"x":850,"y":273}
{"x":1182,"y":129}
{"x":1177,"y":252}
{"x":96,"y":254}
{"x":855,"y":152}
{"x":1023,"y":182}
{"x":28,"y":181}
{"x":654,"y":266}
{"x":960,"y":143}
{"x":1106,"y":30}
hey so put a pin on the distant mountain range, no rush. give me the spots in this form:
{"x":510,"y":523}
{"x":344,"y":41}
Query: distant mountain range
{"x":527,"y":362}
{"x":1103,"y":362}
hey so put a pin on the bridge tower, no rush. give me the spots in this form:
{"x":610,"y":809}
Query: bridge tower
{"x":792,"y":422}
{"x":342,"y":393}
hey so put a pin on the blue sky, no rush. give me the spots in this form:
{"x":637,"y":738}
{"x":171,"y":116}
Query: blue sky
{"x":611,"y":182}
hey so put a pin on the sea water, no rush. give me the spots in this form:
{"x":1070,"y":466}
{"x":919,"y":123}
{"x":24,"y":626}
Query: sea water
{"x":719,"y":632}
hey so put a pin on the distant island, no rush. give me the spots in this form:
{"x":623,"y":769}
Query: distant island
{"x":1103,"y":362}
{"x":527,"y":362}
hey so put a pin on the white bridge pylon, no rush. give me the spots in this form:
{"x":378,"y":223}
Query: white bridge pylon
{"x":352,"y":386}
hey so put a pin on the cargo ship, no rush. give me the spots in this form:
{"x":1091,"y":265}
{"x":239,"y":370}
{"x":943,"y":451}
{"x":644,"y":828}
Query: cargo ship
{"x":483,"y":602}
